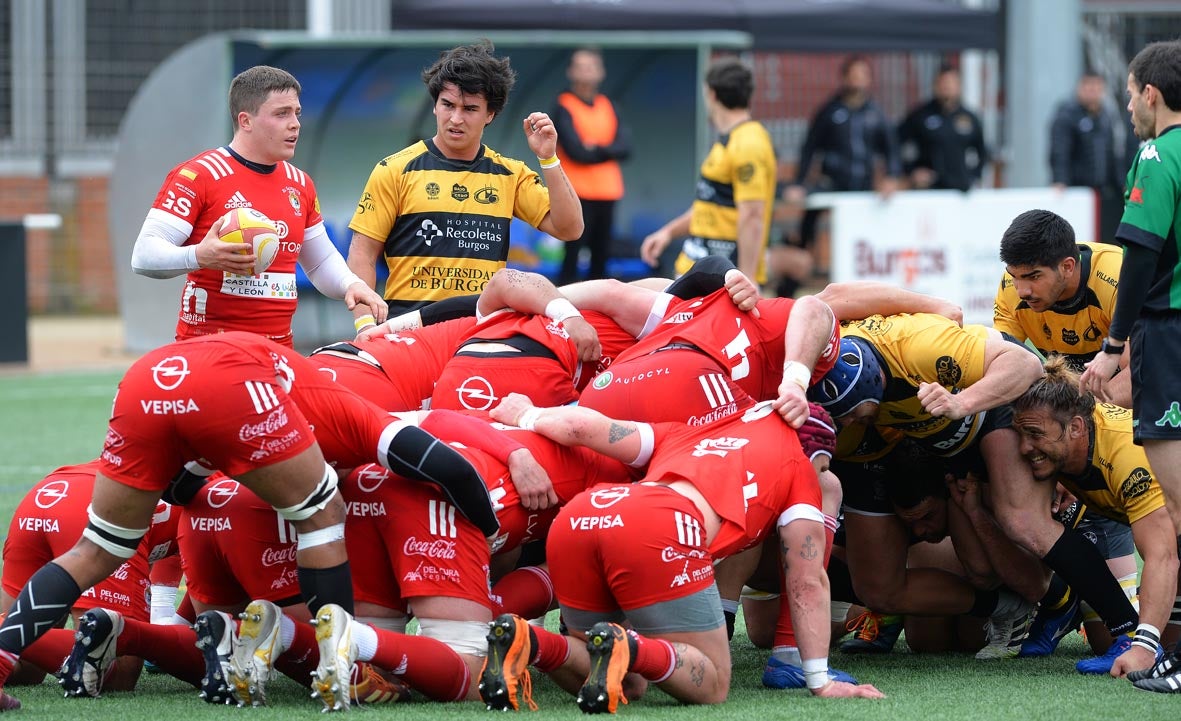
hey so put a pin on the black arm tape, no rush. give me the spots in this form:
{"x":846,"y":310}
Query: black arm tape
{"x":415,"y":454}
{"x":463,"y":306}
{"x":1135,"y":280}
{"x":706,"y":276}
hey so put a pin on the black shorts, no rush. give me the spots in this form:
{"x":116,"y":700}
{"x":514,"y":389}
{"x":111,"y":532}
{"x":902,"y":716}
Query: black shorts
{"x":1156,"y":384}
{"x":1112,"y":538}
{"x":906,"y":475}
{"x":971,"y":460}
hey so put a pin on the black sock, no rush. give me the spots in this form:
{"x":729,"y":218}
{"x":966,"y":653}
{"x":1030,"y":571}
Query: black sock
{"x":419,"y":456}
{"x":731,"y":619}
{"x":1058,"y":595}
{"x":984,"y":603}
{"x":43,"y":602}
{"x":320,"y":586}
{"x":1078,"y":562}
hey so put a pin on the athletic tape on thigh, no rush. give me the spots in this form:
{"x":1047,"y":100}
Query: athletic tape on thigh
{"x":319,"y":537}
{"x":462,"y":637}
{"x":393,"y":624}
{"x":316,"y":500}
{"x":115,"y":540}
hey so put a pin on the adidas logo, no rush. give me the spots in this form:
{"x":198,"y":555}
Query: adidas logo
{"x":237,"y":200}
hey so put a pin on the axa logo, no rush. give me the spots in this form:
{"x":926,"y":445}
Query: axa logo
{"x":169,"y":373}
{"x":1172,"y":417}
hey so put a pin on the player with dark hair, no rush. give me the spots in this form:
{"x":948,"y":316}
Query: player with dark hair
{"x":1058,"y":294}
{"x":439,"y":210}
{"x":180,"y":234}
{"x":731,"y":215}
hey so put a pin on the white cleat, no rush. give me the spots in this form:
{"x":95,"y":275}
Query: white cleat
{"x":252,"y":660}
{"x":338,"y":654}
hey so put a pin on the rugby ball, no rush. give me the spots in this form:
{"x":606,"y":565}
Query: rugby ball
{"x":253,"y":229}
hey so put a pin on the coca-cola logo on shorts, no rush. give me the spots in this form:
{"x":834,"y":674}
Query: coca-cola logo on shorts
{"x":278,"y":556}
{"x":276,"y":420}
{"x":437,"y":548}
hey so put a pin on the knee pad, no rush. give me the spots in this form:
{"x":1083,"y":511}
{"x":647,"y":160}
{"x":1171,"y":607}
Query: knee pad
{"x":316,"y":501}
{"x":116,"y":540}
{"x":462,"y":637}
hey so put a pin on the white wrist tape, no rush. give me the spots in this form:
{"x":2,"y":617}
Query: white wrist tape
{"x":797,"y":373}
{"x":559,"y":309}
{"x":528,"y":419}
{"x":816,"y":672}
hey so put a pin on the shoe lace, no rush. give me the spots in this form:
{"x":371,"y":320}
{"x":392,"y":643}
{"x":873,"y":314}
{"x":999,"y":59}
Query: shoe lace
{"x":526,"y":686}
{"x":867,"y":626}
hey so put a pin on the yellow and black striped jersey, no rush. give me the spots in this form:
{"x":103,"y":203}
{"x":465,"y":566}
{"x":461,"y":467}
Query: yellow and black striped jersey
{"x":920,"y":348}
{"x":1118,"y":482}
{"x":1074,"y":327}
{"x":445,"y":223}
{"x":740,"y":167}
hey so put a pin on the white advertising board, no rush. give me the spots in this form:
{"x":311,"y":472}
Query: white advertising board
{"x":944,"y":243}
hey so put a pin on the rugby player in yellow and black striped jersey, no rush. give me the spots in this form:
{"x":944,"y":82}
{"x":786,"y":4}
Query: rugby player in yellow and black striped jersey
{"x":1088,"y":447}
{"x":731,"y":214}
{"x":1059,"y":295}
{"x":439,"y":210}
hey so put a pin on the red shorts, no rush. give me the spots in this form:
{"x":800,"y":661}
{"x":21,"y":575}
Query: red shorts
{"x":670,"y":385}
{"x":235,"y":548}
{"x":216,"y":398}
{"x":47,"y":522}
{"x":478,"y":383}
{"x":366,"y":380}
{"x":626,"y":547}
{"x":405,"y":540}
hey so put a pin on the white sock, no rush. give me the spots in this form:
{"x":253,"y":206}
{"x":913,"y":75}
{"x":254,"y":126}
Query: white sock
{"x":787,"y":654}
{"x":366,"y":639}
{"x":286,"y":632}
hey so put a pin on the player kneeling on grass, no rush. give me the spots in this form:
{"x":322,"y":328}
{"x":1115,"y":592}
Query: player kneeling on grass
{"x":1088,"y":448}
{"x":646,"y":557}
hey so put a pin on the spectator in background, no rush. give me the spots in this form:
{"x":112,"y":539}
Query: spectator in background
{"x":731,"y":215}
{"x":850,"y":133}
{"x":857,"y":150}
{"x":1084,"y":152}
{"x":942,"y":141}
{"x":439,"y":210}
{"x":591,"y":142}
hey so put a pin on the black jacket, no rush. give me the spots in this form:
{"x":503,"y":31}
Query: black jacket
{"x":949,"y":143}
{"x":1083,"y":151}
{"x":848,"y":141}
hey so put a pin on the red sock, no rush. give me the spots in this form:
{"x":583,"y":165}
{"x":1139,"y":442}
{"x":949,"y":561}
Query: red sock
{"x":655,"y":658}
{"x":785,"y":632}
{"x":172,"y":648}
{"x":551,"y":649}
{"x":526,"y":592}
{"x":48,"y":652}
{"x":166,"y":572}
{"x":186,"y":610}
{"x":429,"y":666}
{"x":301,"y":657}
